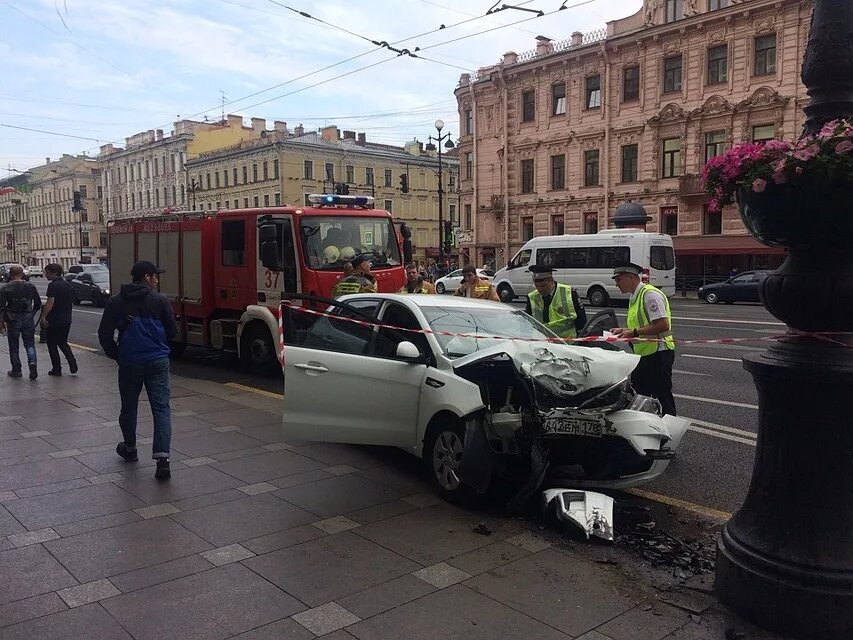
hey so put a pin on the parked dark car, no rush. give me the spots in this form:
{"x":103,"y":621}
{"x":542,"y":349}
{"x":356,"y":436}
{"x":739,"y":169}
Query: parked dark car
{"x":76,"y":269}
{"x":91,"y":286}
{"x":4,"y":271}
{"x":742,"y":288}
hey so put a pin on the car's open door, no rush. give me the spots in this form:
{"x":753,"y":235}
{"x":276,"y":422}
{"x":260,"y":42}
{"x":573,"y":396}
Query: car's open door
{"x":342,"y":380}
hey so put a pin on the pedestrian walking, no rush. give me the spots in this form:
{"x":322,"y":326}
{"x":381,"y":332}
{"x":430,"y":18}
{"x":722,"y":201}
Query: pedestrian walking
{"x":475,"y":287}
{"x":648,"y":317}
{"x":145,"y":323}
{"x":554,"y":304}
{"x":19,"y":303}
{"x":415,"y":282}
{"x":56,"y":319}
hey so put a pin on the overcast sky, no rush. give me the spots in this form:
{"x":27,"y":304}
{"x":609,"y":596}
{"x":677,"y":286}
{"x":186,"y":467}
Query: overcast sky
{"x":106,"y":69}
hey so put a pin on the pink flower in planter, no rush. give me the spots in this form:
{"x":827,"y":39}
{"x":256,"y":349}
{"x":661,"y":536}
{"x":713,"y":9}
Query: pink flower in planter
{"x":808,"y":153}
{"x":759,"y":185}
{"x":779,"y":176}
{"x":844,"y":146}
{"x":828,"y":130}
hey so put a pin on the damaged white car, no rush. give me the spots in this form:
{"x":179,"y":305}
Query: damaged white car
{"x":478,"y":389}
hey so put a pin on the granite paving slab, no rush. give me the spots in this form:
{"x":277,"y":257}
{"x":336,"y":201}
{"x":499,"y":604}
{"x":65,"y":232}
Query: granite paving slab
{"x":30,"y":571}
{"x":243,"y":417}
{"x":385,"y":596}
{"x":338,"y":495}
{"x":84,"y":438}
{"x":285,"y":629}
{"x":90,"y":622}
{"x":57,"y":422}
{"x":104,"y":553}
{"x":207,"y":443}
{"x":71,"y":506}
{"x":185,"y":483}
{"x":28,"y":408}
{"x":30,"y":608}
{"x":213,"y":605}
{"x":267,"y":466}
{"x":335,"y":454}
{"x":159,"y":573}
{"x":329,"y":568}
{"x":645,"y":623}
{"x":24,"y":447}
{"x":8,"y":524}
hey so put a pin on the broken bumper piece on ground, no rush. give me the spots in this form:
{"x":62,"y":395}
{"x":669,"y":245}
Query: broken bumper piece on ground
{"x":585,"y":512}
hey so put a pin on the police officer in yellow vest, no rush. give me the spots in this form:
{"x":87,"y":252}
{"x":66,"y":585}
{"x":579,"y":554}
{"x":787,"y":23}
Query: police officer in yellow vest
{"x":359,"y":281}
{"x":415,"y":283}
{"x":648,"y":317}
{"x":555,"y":305}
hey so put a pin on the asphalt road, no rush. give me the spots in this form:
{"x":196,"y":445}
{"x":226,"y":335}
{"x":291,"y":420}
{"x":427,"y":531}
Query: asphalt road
{"x":714,"y":462}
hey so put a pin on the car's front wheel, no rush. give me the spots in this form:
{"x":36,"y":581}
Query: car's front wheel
{"x":712,"y":297}
{"x":443,"y":449}
{"x":439,"y":288}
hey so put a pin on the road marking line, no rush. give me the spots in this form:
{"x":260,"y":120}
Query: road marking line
{"x":691,"y":373}
{"x":708,"y":512}
{"x":81,"y":346}
{"x":720,"y":427}
{"x":690,"y":355}
{"x":723,"y":436}
{"x":714,"y":401}
{"x":772,"y":324}
{"x":94,"y":313}
{"x":260,"y":392}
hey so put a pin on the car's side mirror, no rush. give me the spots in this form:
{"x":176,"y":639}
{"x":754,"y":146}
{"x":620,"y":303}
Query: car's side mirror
{"x":408,"y":351}
{"x":269,"y":247}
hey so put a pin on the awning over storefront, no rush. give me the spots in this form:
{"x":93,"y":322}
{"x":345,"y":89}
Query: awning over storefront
{"x":722,"y":245}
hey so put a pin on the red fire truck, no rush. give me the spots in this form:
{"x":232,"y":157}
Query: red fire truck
{"x":226,"y":271}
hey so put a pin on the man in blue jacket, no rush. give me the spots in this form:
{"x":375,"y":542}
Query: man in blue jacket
{"x":145,"y":323}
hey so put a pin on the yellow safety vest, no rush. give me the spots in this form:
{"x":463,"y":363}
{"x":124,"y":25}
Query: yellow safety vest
{"x":353,"y":284}
{"x":422,"y":289}
{"x":637,"y":317}
{"x":562,"y":311}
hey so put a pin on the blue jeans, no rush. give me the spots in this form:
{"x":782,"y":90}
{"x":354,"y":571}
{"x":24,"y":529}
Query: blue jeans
{"x":155,"y":376}
{"x":20,"y":326}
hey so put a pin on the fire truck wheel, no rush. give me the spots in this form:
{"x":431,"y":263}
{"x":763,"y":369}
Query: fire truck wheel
{"x":257,"y":352}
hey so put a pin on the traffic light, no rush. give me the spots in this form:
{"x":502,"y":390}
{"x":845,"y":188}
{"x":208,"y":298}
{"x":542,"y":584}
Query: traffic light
{"x":78,"y":202}
{"x":404,"y":183}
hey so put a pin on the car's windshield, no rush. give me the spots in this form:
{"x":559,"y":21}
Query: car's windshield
{"x":101,"y":278}
{"x":89,"y":268}
{"x":488,"y":321}
{"x":330,"y":241}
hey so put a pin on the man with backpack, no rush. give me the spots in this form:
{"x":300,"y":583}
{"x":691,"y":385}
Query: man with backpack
{"x":19,"y":302}
{"x":145,"y":323}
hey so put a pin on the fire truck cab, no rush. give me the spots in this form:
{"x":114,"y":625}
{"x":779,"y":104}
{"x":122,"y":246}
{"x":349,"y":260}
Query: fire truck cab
{"x":225,"y":272}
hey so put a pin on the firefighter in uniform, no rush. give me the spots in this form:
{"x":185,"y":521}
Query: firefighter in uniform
{"x":359,"y":281}
{"x":415,"y":282}
{"x":648,"y":317}
{"x":554,"y":304}
{"x":474,"y":287}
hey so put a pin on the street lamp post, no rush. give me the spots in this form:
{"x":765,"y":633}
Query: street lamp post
{"x":438,"y":139}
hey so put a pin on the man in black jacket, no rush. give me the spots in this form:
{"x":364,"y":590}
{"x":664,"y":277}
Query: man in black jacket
{"x":56,"y":319}
{"x":145,"y":324}
{"x":19,"y":302}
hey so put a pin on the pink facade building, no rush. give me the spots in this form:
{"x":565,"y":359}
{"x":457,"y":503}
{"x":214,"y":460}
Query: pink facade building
{"x":554,"y":140}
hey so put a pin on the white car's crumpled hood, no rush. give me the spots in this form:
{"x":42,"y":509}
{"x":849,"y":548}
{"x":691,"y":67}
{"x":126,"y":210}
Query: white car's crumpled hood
{"x":581,"y":367}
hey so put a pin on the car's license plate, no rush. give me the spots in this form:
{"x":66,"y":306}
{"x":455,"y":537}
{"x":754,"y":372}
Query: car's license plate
{"x":589,"y":427}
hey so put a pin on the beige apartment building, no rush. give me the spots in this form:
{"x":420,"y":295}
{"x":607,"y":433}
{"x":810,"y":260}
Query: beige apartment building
{"x":14,"y":226}
{"x":57,"y":232}
{"x":554,"y":140}
{"x":281,"y":167}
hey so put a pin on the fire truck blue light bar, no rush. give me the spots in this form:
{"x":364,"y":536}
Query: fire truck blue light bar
{"x":328,"y":199}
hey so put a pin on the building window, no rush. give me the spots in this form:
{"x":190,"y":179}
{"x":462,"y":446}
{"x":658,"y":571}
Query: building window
{"x":558,"y":226}
{"x":235,"y":176}
{"x":593,"y":92}
{"x":307,"y":201}
{"x":275,"y":169}
{"x":669,"y":220}
{"x":266,"y":200}
{"x":245,"y":203}
{"x":225,"y":178}
{"x":526,"y":228}
{"x":469,"y":165}
{"x":715,"y":144}
{"x":558,"y":99}
{"x":671,"y":157}
{"x":591,"y":166}
{"x":254,"y":172}
{"x":527,"y":176}
{"x":672,"y":74}
{"x":368,"y":176}
{"x":468,"y":221}
{"x":631,"y":84}
{"x":277,"y":199}
{"x":453,"y":217}
{"x":350,"y":171}
{"x":763,"y":132}
{"x":713,"y":5}
{"x":157,"y":197}
{"x":528,"y":106}
{"x":558,"y":172}
{"x":147,"y":199}
{"x":387,"y":177}
{"x":469,"y":122}
{"x":330,"y":172}
{"x":216,"y":178}
{"x":175,"y":195}
{"x":590,"y":222}
{"x":266,"y":171}
{"x":308,"y":170}
{"x":207,"y":180}
{"x":630,"y":154}
{"x":673,"y":10}
{"x":765,"y":55}
{"x":255,"y":202}
{"x":388,"y":205}
{"x":718,"y":64}
{"x":245,"y":174}
{"x":712,"y":222}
